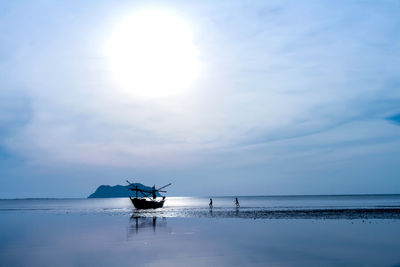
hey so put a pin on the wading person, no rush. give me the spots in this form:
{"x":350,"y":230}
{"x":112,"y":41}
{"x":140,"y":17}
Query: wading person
{"x":211,"y":205}
{"x":154,"y":192}
{"x":237,"y":203}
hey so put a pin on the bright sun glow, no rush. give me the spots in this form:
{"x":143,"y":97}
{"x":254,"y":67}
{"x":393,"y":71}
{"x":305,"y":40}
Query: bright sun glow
{"x":151,"y":54}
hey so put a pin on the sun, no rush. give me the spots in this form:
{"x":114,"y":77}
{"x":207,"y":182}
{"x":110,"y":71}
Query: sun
{"x":151,"y":54}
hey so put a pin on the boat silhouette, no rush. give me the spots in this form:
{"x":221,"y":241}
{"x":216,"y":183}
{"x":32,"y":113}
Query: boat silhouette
{"x":149,"y":197}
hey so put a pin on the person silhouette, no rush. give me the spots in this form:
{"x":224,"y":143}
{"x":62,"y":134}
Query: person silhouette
{"x":211,"y":205}
{"x":237,"y":203}
{"x":154,"y":192}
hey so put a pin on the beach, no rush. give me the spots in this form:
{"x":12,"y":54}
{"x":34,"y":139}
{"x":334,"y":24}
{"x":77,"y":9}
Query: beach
{"x":199,"y":133}
{"x":109,"y":232}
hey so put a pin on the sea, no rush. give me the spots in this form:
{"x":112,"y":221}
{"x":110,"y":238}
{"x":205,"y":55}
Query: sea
{"x":346,"y":230}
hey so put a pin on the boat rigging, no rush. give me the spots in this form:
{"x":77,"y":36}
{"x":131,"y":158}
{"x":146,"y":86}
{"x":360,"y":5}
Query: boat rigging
{"x":148,"y":200}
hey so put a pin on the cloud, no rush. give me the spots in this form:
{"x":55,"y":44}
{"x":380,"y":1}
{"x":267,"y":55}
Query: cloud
{"x":285,"y":74}
{"x":395,"y":118}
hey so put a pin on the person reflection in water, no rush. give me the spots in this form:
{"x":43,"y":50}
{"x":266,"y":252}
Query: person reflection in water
{"x":237,"y":203}
{"x":211,"y":205}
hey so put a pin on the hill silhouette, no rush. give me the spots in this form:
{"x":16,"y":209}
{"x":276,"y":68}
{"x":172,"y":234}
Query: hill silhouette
{"x":107,"y":191}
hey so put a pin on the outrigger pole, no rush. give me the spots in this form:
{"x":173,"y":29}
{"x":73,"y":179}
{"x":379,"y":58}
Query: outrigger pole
{"x":146,"y":193}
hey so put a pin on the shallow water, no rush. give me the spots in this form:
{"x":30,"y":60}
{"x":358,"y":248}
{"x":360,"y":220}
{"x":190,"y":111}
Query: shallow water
{"x":351,"y":207}
{"x":109,"y":232}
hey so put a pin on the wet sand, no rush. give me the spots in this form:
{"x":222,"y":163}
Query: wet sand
{"x":345,"y":214}
{"x":111,"y":233}
{"x":51,"y":239}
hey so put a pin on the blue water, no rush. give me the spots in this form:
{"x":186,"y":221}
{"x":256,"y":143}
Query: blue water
{"x":198,"y":206}
{"x":264,"y":231}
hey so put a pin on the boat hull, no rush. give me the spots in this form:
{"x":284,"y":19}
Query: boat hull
{"x":141,"y":203}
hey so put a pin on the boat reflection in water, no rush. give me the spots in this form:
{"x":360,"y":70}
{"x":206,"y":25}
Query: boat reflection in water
{"x":145,"y":224}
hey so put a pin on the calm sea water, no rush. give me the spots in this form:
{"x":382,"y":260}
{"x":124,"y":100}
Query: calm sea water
{"x":198,"y":206}
{"x":264,"y":231}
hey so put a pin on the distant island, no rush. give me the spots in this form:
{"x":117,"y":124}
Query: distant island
{"x":107,"y":191}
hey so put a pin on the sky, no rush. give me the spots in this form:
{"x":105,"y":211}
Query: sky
{"x":217,"y":97}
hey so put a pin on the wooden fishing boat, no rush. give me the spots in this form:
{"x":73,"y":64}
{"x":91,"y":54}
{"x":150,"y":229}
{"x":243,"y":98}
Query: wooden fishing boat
{"x":145,"y":201}
{"x":141,"y":203}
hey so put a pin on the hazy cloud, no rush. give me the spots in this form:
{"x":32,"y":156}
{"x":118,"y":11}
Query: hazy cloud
{"x":284,"y":85}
